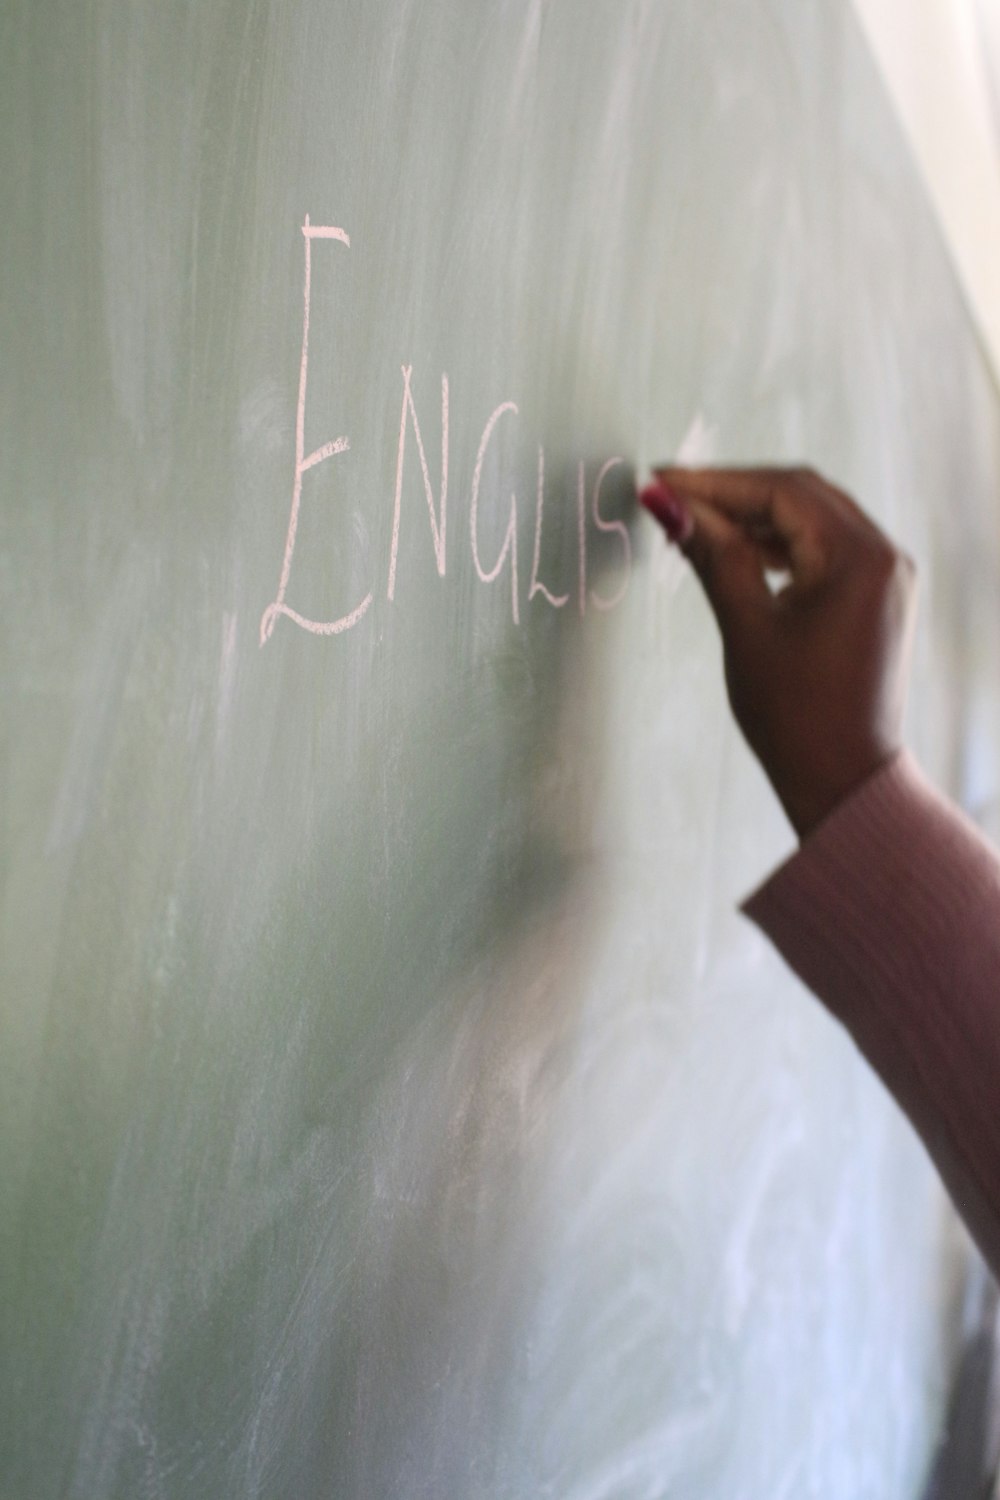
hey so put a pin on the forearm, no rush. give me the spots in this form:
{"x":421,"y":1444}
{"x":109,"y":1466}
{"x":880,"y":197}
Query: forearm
{"x":890,"y":912}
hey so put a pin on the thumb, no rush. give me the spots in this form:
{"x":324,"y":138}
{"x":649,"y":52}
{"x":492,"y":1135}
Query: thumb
{"x":728,"y":565}
{"x":726,"y":561}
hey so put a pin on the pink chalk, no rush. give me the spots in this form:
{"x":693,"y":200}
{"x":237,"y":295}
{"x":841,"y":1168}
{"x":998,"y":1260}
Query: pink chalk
{"x":667,"y":507}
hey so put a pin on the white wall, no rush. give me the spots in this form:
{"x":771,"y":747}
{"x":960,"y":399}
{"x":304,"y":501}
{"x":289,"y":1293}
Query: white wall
{"x":941,"y":61}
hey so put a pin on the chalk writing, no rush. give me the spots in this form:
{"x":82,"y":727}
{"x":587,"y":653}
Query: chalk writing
{"x":510,"y":538}
{"x":310,"y":232}
{"x":617,"y":527}
{"x":438,"y":515}
{"x":438,"y":528}
{"x":537,"y":587}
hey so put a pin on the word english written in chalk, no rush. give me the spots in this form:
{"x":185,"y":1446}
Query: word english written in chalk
{"x":438,"y":514}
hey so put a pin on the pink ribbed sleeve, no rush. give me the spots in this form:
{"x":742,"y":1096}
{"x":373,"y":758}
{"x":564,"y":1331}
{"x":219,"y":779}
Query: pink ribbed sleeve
{"x":890,"y":912}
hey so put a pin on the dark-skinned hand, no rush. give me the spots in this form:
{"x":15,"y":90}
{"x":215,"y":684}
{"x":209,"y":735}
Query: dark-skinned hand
{"x":816,"y":672}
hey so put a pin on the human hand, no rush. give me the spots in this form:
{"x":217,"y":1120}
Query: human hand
{"x":816,"y":673}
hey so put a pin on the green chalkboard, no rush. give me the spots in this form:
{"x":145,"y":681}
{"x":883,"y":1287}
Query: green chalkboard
{"x":392,"y":1101}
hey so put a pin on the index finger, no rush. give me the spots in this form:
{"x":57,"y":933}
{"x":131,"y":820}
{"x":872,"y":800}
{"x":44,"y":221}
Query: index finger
{"x":770,"y":505}
{"x":791,"y":500}
{"x":745,"y":493}
{"x":761,"y":498}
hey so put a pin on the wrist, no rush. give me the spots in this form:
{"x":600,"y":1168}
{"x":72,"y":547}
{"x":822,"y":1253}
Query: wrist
{"x":808,"y":802}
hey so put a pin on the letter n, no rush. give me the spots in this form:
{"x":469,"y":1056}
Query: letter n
{"x":438,"y":526}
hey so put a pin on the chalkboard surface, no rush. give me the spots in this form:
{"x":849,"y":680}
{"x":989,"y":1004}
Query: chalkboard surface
{"x":392,"y":1101}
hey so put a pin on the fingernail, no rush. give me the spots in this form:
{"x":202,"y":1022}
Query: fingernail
{"x":668,"y":508}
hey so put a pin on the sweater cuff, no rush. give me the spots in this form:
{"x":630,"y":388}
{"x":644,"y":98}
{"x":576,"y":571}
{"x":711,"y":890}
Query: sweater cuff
{"x":877,"y":893}
{"x":890,"y":913}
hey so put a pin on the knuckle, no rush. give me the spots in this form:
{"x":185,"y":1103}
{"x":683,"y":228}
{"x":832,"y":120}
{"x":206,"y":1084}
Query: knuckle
{"x":882,"y":562}
{"x":804,"y":487}
{"x":891,"y":568}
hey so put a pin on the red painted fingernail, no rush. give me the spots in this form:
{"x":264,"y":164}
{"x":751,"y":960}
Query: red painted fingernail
{"x":668,"y":508}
